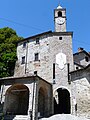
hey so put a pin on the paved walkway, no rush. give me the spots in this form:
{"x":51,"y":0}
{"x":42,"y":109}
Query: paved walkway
{"x":64,"y":117}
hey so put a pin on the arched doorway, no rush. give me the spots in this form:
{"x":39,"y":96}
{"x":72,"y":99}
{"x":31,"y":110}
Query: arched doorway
{"x":42,"y":102}
{"x":62,"y":101}
{"x":16,"y":100}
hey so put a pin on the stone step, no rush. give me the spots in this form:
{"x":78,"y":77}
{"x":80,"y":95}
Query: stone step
{"x":16,"y":117}
{"x":21,"y":117}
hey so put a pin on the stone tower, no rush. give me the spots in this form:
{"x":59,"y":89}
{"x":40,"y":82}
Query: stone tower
{"x":64,"y":55}
{"x":60,"y":19}
{"x":62,"y":64}
{"x":47,"y":54}
{"x":50,"y":56}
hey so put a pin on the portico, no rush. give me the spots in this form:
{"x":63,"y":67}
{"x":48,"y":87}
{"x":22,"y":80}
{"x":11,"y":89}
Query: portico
{"x":23,"y":96}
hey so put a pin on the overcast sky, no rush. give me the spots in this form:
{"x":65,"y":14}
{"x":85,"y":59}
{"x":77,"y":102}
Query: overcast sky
{"x":31,"y":17}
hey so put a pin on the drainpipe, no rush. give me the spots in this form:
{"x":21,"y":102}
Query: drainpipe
{"x":26,"y":57}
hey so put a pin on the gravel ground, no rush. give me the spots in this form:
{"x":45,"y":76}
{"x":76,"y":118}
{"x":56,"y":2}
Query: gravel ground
{"x":64,"y":117}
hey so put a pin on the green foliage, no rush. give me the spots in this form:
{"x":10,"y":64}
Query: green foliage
{"x":8,"y":39}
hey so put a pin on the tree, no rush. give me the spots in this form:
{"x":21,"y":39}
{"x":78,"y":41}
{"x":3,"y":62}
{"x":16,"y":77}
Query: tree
{"x":8,"y":39}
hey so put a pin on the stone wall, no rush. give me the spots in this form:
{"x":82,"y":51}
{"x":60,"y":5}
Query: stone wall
{"x":81,"y":81}
{"x":49,"y":46}
{"x":47,"y":49}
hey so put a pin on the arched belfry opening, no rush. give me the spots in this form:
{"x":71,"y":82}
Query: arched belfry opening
{"x":16,"y":100}
{"x":62,"y":101}
{"x":42,"y":102}
{"x":59,"y":14}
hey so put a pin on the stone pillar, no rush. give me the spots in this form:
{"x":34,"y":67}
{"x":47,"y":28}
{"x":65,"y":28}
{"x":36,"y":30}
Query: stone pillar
{"x":30,"y":87}
{"x":32,"y":102}
{"x":30,"y":106}
{"x":1,"y":93}
{"x":73,"y":99}
{"x":34,"y":115}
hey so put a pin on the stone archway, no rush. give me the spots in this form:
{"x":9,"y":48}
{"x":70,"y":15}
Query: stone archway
{"x":16,"y":100}
{"x":62,"y":101}
{"x":42,"y":102}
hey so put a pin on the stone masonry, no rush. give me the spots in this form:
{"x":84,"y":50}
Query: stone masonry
{"x":48,"y":78}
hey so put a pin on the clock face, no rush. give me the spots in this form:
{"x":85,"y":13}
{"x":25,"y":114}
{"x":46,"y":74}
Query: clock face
{"x":60,"y":21}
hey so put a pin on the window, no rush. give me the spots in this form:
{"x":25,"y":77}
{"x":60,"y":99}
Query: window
{"x":86,"y":59}
{"x":23,"y":60}
{"x":53,"y":70}
{"x":36,"y":56}
{"x":77,"y":68}
{"x":60,"y":38}
{"x":35,"y":72}
{"x":24,"y":44}
{"x":37,"y":40}
{"x":59,"y":14}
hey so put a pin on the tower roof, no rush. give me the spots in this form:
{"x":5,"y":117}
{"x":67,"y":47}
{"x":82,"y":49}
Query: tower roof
{"x":59,"y":7}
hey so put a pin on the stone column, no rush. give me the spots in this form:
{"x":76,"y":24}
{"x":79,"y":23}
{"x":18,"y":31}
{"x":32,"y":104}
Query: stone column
{"x":34,"y":115}
{"x":30,"y":106}
{"x":30,"y":101}
{"x":73,"y":99}
{"x":1,"y":93}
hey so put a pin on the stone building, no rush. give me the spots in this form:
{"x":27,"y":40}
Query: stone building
{"x":80,"y":80}
{"x":49,"y":79}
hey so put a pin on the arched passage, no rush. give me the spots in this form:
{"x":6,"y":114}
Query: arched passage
{"x":16,"y":100}
{"x":62,"y":101}
{"x":42,"y":102}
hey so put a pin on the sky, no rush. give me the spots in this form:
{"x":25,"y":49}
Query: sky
{"x":31,"y":17}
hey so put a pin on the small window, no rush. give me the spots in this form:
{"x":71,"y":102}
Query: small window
{"x":24,"y":44}
{"x":60,"y":38}
{"x":77,"y":68}
{"x":36,"y":56}
{"x":59,"y":14}
{"x":35,"y":72}
{"x":86,"y":59}
{"x":37,"y":40}
{"x":23,"y":60}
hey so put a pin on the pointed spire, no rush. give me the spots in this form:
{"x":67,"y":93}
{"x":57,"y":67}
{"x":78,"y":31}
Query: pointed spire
{"x":59,"y":6}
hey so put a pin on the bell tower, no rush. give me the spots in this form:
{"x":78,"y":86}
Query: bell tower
{"x":60,"y":19}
